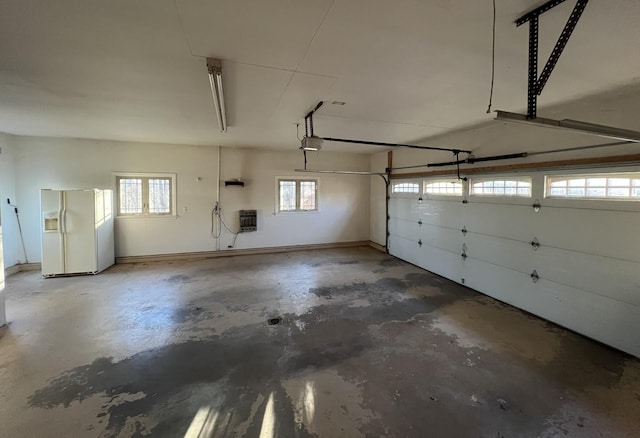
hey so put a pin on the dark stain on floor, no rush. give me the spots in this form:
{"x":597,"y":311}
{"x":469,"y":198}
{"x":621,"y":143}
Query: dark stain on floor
{"x":381,"y":347}
{"x":390,"y":288}
{"x":191,"y":314}
{"x":179,"y":278}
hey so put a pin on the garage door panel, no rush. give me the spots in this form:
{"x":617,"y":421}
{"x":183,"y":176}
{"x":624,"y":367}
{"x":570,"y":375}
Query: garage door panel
{"x":405,"y":249}
{"x":403,"y":208}
{"x":443,"y":238}
{"x":588,"y":261}
{"x":403,"y":228}
{"x":601,"y":318}
{"x":601,"y":232}
{"x":609,"y":321}
{"x":507,"y":253}
{"x":510,"y":221}
{"x":444,"y":214}
{"x":601,"y":275}
{"x":445,"y":263}
{"x":504,"y":284}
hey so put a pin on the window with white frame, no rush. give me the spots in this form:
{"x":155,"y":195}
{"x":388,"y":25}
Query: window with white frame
{"x":297,"y":194}
{"x":443,"y":187}
{"x":621,"y":186}
{"x":145,"y":194}
{"x":405,"y":187}
{"x":510,"y":186}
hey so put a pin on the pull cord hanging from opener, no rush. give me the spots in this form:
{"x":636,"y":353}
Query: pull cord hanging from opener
{"x":493,"y":58}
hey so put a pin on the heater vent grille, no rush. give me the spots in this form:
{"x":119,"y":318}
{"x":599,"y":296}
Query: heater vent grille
{"x":248,"y":220}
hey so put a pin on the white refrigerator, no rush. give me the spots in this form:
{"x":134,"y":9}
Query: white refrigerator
{"x":77,"y":231}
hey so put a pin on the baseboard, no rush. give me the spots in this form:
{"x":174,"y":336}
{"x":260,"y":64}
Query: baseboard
{"x":377,"y":246}
{"x":236,"y":252}
{"x":11,"y":270}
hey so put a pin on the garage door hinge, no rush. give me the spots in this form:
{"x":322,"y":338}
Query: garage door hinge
{"x":464,"y":230}
{"x":534,"y":276}
{"x":536,"y":206}
{"x":535,"y":244}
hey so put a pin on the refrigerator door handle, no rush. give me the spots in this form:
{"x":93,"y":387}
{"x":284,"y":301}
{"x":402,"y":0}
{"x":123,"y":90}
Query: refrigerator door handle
{"x":63,"y":231}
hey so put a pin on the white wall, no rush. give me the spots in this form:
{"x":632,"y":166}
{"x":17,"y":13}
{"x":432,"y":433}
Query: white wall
{"x":3,"y":299}
{"x":343,"y":200}
{"x":12,"y":250}
{"x":74,"y":163}
{"x":377,"y":220}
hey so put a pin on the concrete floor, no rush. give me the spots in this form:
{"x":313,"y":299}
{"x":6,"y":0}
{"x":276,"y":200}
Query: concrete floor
{"x":368,"y":346}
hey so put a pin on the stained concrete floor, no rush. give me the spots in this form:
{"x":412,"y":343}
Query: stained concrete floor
{"x":367,"y":346}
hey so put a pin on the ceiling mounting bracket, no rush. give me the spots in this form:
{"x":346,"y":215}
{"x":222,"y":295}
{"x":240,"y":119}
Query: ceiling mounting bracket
{"x":460,"y":178}
{"x":536,"y":84}
{"x":308,"y":120}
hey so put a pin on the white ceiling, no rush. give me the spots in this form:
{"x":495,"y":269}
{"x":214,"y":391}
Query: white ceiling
{"x":408,"y":70}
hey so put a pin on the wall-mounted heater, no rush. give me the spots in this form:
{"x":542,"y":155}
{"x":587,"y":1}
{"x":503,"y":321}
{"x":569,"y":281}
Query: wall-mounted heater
{"x":248,"y":221}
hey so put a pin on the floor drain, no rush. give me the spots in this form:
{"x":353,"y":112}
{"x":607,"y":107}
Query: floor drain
{"x":274,"y":321}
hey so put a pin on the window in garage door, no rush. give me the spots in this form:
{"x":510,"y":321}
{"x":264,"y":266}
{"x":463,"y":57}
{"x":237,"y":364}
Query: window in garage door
{"x":616,"y":186}
{"x":505,"y":186}
{"x":406,"y":187}
{"x":443,"y":187}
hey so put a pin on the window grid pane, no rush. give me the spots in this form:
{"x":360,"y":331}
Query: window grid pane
{"x":297,"y":195}
{"x":596,"y":186}
{"x":159,"y":195}
{"x":287,"y":195}
{"x":307,"y":195}
{"x":130,"y":190}
{"x":406,"y":188}
{"x":510,"y":187}
{"x":443,"y":188}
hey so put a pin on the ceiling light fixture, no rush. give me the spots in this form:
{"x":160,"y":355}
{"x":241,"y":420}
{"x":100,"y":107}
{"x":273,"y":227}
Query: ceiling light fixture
{"x":312,"y":143}
{"x":214,"y":66}
{"x":572,"y":125}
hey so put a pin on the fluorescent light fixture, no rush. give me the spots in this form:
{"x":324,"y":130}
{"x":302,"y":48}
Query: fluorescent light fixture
{"x":572,"y":125}
{"x":214,"y":66}
{"x":311,"y":143}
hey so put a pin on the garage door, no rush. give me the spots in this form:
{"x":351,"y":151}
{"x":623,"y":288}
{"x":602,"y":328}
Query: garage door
{"x":575,"y":262}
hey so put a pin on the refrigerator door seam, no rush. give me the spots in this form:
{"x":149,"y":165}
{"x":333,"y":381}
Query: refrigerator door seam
{"x":63,"y":229}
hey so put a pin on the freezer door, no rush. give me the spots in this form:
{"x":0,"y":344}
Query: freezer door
{"x":51,"y":203}
{"x":104,"y":228}
{"x":79,"y":228}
